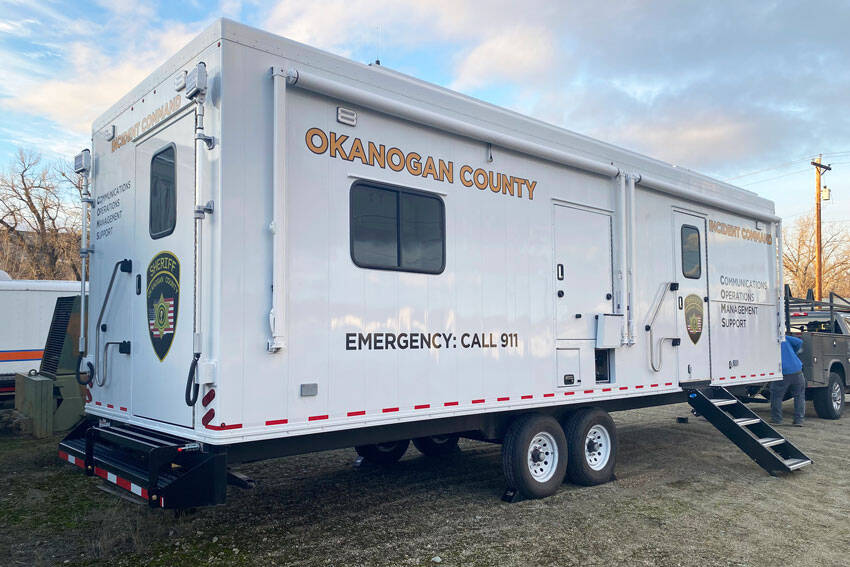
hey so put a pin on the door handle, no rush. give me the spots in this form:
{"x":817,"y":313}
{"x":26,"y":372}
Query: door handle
{"x":681,"y":303}
{"x":559,"y":272}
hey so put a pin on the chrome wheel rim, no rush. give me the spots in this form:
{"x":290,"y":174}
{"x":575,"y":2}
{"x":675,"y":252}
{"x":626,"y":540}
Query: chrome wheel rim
{"x":837,"y":396}
{"x":542,"y":457}
{"x":597,"y":447}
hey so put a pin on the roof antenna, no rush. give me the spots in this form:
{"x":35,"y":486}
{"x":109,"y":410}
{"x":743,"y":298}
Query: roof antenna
{"x":378,"y":45}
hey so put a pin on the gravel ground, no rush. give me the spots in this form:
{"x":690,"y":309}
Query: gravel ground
{"x":684,"y":495}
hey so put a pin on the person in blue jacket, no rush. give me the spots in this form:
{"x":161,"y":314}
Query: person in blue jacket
{"x":792,"y":377}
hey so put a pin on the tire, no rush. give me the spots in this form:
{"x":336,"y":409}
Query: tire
{"x":437,"y":445}
{"x":592,"y":439}
{"x":384,"y":454}
{"x":534,"y":456}
{"x":829,"y":401}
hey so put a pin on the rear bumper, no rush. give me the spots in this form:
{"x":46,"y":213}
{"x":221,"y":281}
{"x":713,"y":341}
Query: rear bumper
{"x":164,"y":471}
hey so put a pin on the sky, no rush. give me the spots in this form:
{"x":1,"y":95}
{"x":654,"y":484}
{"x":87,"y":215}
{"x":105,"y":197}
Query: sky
{"x":747,"y":92}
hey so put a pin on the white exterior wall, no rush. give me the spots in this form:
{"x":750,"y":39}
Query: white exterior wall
{"x":27,"y":308}
{"x":500,"y":261}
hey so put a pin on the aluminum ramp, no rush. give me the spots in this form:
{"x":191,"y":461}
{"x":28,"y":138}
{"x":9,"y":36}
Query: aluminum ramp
{"x":767,"y":447}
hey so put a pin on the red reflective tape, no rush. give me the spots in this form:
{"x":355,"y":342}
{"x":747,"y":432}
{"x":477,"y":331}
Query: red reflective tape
{"x":80,"y":462}
{"x":527,"y":397}
{"x":588,"y":391}
{"x":450,"y":404}
{"x":668,"y":383}
{"x":7,"y":389}
{"x":481,"y":401}
{"x":653,"y":385}
{"x":731,"y":377}
{"x":722,"y":378}
{"x":122,"y":482}
{"x":110,"y":406}
{"x":208,"y":417}
{"x":356,"y":413}
{"x":762,"y":374}
{"x":144,"y":493}
{"x":316,"y":417}
{"x":225,"y":427}
{"x":122,"y":408}
{"x":752,"y":375}
{"x":569,"y":393}
{"x":63,"y":455}
{"x":387,"y":410}
{"x":422,"y":406}
{"x":606,"y":389}
{"x":277,"y":421}
{"x":771,"y":374}
{"x":624,"y":387}
{"x":639,"y":386}
{"x":548,"y":395}
{"x":98,"y":404}
{"x":503,"y":399}
{"x":100,"y":472}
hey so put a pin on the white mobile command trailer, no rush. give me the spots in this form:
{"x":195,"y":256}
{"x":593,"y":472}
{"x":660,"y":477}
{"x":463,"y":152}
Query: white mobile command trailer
{"x":291,"y":252}
{"x":27,"y":309}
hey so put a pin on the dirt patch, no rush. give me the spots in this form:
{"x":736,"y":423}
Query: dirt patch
{"x":684,"y":495}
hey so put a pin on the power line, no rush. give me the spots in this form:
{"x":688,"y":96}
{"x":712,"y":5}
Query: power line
{"x":774,"y":178}
{"x":785,"y":164}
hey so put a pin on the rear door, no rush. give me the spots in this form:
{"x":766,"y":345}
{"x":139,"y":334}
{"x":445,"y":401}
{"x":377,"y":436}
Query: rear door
{"x":164,"y":262}
{"x":692,"y":301}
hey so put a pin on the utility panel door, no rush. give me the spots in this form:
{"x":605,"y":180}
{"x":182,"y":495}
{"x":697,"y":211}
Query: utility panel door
{"x":163,"y":266}
{"x":582,"y":271}
{"x":692,"y":297}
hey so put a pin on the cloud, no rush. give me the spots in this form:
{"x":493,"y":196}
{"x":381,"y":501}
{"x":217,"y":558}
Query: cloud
{"x":94,"y":81}
{"x":514,"y":55}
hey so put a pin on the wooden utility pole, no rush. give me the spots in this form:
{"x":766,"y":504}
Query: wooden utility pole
{"x":818,"y":245}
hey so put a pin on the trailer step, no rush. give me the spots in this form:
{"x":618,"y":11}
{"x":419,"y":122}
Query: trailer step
{"x":770,"y":450}
{"x":794,"y":464}
{"x":166,"y":471}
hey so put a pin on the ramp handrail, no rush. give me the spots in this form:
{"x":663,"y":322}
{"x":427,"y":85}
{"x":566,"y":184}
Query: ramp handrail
{"x":666,"y":286}
{"x":126,"y":266}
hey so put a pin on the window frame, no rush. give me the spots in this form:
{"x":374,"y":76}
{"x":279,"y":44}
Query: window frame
{"x":682,"y":250}
{"x":164,"y":148}
{"x":399,"y":190}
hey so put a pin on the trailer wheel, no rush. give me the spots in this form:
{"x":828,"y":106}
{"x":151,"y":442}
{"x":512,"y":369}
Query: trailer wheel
{"x":383,"y":454}
{"x":829,"y":401}
{"x":534,"y":456}
{"x":437,"y":445}
{"x":592,"y":439}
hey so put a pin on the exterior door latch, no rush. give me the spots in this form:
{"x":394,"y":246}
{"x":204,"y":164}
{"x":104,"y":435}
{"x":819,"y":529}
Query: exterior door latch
{"x":202,"y":210}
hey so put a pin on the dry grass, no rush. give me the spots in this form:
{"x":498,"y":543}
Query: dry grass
{"x":684,"y":495}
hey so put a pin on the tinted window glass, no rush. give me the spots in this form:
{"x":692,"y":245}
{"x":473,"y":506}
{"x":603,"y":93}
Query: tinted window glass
{"x":394,"y":229}
{"x":374,"y":227}
{"x":691,"y":260}
{"x":163,"y":210}
{"x":421,"y":233}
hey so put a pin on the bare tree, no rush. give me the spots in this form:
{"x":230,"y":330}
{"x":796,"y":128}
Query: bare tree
{"x":39,"y":219}
{"x":798,"y":256}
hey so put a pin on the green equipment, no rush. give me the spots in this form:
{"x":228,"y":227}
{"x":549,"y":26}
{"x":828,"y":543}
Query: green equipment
{"x":51,"y":399}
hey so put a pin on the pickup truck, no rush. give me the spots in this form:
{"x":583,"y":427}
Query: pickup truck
{"x":824,"y":327}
